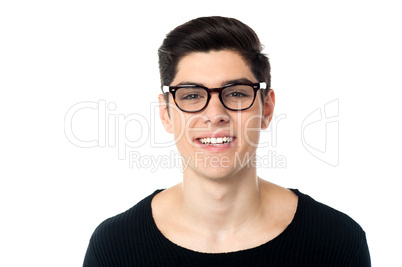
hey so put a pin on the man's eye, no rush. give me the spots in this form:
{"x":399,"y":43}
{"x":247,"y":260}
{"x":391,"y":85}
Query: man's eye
{"x":191,"y":97}
{"x":237,"y":94}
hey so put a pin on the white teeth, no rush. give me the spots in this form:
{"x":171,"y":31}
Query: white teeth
{"x":219,"y":140}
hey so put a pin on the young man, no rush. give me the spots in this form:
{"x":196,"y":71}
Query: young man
{"x":217,"y":98}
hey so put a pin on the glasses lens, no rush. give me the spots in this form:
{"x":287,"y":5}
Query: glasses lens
{"x":238,"y":96}
{"x":191,"y":99}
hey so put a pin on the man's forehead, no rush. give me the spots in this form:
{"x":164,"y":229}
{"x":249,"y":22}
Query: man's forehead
{"x":213,"y":69}
{"x":223,"y":83}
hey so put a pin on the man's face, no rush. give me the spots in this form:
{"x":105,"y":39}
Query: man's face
{"x":236,"y":133}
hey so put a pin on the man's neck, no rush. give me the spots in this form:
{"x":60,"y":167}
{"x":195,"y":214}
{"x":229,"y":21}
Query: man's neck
{"x":220,"y":215}
{"x":224,"y":205}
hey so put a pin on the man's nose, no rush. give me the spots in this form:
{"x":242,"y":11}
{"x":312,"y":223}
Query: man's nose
{"x":215,"y":112}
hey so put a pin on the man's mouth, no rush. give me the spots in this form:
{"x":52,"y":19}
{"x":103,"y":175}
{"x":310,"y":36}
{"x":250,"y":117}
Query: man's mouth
{"x":216,"y":141}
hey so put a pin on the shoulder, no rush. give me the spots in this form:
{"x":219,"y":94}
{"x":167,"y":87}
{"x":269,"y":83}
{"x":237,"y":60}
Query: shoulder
{"x":115,"y":237}
{"x":318,"y":213}
{"x":330,"y":229}
{"x":130,"y":220}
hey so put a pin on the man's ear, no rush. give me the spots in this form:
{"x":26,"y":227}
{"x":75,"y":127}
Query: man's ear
{"x":164,"y":114}
{"x":269,"y":105}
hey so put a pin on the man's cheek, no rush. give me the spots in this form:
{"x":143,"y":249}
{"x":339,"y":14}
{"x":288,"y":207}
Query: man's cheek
{"x":252,"y":129}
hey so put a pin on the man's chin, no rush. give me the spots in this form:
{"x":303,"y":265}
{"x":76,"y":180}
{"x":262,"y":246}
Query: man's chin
{"x":216,"y":173}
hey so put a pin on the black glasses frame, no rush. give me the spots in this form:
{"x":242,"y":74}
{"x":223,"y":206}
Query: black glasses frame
{"x":173,"y":89}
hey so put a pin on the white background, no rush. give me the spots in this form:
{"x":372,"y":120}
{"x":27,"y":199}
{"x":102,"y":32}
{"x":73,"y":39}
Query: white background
{"x":55,"y":54}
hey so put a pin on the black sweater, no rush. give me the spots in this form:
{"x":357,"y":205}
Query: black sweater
{"x":317,"y":236}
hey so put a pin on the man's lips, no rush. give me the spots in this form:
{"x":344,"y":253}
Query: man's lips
{"x":216,"y":140}
{"x":215,"y":135}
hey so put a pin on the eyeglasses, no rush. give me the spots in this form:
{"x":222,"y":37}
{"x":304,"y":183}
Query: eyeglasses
{"x":194,"y":98}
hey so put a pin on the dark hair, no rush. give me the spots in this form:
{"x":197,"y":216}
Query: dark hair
{"x":213,"y":34}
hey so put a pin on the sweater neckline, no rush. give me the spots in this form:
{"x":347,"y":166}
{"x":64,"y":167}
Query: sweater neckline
{"x":182,"y":249}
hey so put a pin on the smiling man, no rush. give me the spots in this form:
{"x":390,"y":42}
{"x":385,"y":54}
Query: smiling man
{"x":216,"y":100}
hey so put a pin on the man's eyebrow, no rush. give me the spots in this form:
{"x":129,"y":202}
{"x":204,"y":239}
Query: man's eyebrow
{"x":241,"y":80}
{"x":190,"y":83}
